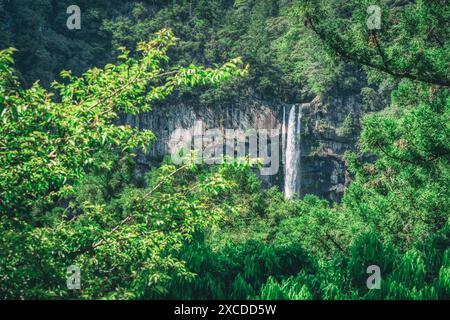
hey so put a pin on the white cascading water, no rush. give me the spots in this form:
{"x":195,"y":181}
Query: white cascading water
{"x":291,"y":145}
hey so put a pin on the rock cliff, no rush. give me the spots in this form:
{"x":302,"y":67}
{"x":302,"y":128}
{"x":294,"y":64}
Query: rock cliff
{"x":328,"y":128}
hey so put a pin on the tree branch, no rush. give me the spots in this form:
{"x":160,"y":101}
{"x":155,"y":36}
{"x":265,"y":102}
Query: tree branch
{"x":346,"y":55}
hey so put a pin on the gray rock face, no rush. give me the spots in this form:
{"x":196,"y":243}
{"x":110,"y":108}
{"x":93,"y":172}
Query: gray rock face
{"x":328,"y":134}
{"x":328,"y":129}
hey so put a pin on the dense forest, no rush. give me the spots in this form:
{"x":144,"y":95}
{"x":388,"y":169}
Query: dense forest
{"x":70,"y":194}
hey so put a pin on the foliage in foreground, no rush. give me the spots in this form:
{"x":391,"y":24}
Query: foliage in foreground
{"x":394,"y":215}
{"x":49,"y":143}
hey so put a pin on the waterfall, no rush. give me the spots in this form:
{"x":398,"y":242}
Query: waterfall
{"x":292,"y":142}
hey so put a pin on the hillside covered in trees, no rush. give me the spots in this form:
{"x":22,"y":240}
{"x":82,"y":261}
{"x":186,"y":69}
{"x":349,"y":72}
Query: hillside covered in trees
{"x":72,"y":198}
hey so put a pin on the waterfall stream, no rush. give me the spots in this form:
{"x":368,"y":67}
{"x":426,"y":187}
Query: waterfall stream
{"x":291,"y":145}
